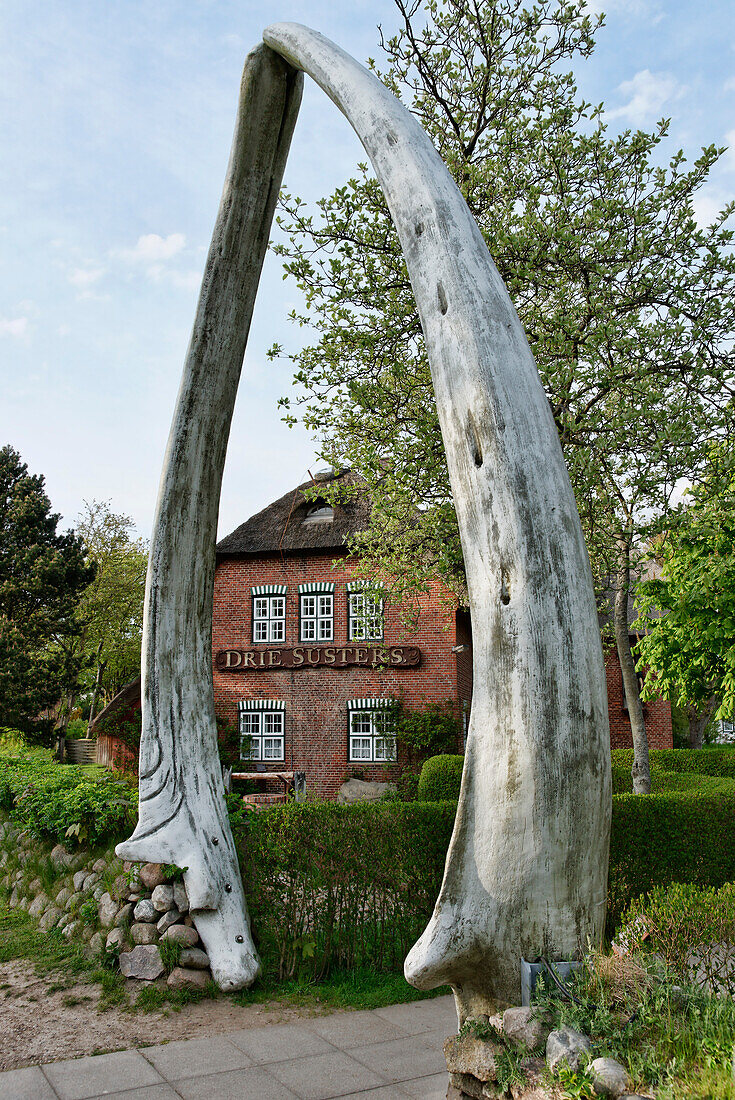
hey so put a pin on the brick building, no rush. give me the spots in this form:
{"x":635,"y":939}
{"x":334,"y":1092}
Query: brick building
{"x":308,"y":662}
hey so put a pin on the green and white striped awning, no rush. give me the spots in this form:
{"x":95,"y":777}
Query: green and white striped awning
{"x":269,"y":590}
{"x":364,"y":586}
{"x":261,"y":704}
{"x":316,"y":586}
{"x":369,"y":704}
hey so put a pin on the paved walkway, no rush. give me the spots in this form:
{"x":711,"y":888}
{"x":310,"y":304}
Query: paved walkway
{"x":387,"y":1054}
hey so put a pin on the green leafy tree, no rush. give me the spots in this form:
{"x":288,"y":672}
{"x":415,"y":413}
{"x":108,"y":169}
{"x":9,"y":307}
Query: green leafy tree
{"x":111,"y":607}
{"x":689,"y":611}
{"x":42,"y":576}
{"x":626,"y":301}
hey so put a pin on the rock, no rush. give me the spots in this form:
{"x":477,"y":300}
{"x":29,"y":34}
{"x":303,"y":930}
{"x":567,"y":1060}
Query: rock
{"x":565,"y":1045}
{"x":79,"y":877}
{"x":108,"y":910}
{"x":466,"y":1054}
{"x":13,"y":899}
{"x":90,"y":881}
{"x":35,"y":887}
{"x":524,"y":1027}
{"x":37,"y":906}
{"x":96,"y":943}
{"x":62,"y":897}
{"x":98,"y":891}
{"x":362,"y":790}
{"x":181,"y":900}
{"x":50,"y":919}
{"x":100,"y":866}
{"x":71,"y":929}
{"x":168,"y":919}
{"x":73,"y":902}
{"x":163,"y":898}
{"x":534,"y":1085}
{"x":61,"y":857}
{"x":179,"y":933}
{"x":124,"y":916}
{"x":152,"y":875}
{"x":145,"y":911}
{"x":116,"y":937}
{"x":64,"y":919}
{"x":194,"y":958}
{"x":609,"y":1077}
{"x":181,"y":978}
{"x":465,"y":1085}
{"x":143,"y":962}
{"x":144,"y":933}
{"x":120,"y":889}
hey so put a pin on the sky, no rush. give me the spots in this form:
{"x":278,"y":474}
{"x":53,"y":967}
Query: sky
{"x":116,"y":119}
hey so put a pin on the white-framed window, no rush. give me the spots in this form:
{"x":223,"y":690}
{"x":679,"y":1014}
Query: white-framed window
{"x":317,"y":617}
{"x":365,"y":617}
{"x":372,"y":731}
{"x":269,"y":616}
{"x":262,"y":734}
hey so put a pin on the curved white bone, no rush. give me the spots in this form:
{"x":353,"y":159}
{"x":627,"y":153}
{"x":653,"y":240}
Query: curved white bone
{"x":526,"y":871}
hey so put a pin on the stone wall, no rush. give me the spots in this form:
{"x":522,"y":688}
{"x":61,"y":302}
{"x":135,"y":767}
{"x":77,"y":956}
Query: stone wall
{"x":138,"y":912}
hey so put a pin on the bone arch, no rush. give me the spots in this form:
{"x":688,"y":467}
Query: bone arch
{"x":526,"y":869}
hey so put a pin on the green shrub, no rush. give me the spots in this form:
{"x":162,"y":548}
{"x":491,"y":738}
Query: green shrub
{"x":716,"y":760}
{"x":440,"y":778}
{"x":432,"y":729}
{"x":333,"y":887}
{"x":691,"y":928}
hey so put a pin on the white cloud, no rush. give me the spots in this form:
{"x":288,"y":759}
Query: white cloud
{"x":153,"y":249}
{"x":646,"y":94}
{"x":17,"y":327}
{"x":729,"y":85}
{"x":85,"y":276}
{"x":728,"y":159}
{"x":650,"y":10}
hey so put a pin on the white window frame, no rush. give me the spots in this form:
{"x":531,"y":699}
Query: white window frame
{"x":372,"y":738}
{"x":365,"y":617}
{"x":316,"y":617}
{"x":266,"y":730}
{"x":269,"y":619}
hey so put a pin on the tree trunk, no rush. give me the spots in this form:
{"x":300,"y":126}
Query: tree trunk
{"x":641,"y":770}
{"x":698,"y":718}
{"x":101,"y":666}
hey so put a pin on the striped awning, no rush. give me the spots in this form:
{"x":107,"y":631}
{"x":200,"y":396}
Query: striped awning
{"x":269,"y":590}
{"x":261,"y":704}
{"x":369,"y":704}
{"x":316,"y":586}
{"x":364,"y":586}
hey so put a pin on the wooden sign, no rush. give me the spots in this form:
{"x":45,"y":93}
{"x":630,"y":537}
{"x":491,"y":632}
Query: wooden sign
{"x":336,"y":657}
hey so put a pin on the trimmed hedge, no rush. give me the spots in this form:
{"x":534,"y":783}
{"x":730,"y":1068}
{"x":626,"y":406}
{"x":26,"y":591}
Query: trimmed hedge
{"x":440,"y":779}
{"x":334,"y":887}
{"x":717,"y":760}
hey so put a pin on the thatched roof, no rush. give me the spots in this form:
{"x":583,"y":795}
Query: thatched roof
{"x":289,"y":525}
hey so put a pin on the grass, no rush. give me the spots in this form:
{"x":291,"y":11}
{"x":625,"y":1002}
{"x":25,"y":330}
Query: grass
{"x":352,"y":989}
{"x":675,"y":1040}
{"x":49,"y":951}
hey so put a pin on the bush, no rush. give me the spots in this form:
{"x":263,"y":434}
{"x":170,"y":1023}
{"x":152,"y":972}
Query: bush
{"x":717,"y":760}
{"x":62,"y":802}
{"x":691,"y":928}
{"x":440,"y":779}
{"x":334,"y":887}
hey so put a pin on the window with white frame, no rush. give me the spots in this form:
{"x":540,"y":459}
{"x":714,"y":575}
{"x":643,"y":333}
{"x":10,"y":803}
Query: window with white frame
{"x":261,"y":733}
{"x":365,"y":617}
{"x":372,"y":731}
{"x":269,"y":614}
{"x":317,"y":617}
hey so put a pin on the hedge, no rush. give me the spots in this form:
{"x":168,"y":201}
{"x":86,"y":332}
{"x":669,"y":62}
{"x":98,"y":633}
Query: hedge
{"x":341,"y":887}
{"x":440,"y":779}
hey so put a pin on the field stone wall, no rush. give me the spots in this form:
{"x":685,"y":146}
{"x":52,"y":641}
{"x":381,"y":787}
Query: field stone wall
{"x":112,"y":906}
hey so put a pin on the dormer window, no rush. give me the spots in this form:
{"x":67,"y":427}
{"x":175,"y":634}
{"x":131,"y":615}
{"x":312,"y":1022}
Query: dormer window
{"x":319,"y":512}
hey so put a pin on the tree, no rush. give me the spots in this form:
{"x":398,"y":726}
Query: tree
{"x":689,"y":611}
{"x":42,"y":575}
{"x":626,"y":302}
{"x":111,"y":607}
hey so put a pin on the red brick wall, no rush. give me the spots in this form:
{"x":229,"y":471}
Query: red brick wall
{"x":657,"y":713}
{"x":316,"y":717}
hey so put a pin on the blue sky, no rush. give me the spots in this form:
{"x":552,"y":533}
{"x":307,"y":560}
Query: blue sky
{"x":115,"y":124}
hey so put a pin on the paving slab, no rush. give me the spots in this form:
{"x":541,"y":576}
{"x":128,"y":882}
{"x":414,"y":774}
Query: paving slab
{"x":239,"y":1084}
{"x":325,"y":1076}
{"x":402,"y":1059}
{"x":279,"y":1043}
{"x":196,"y":1057}
{"x":147,"y":1092}
{"x":352,"y":1029}
{"x":432,"y":1015}
{"x":25,"y":1084}
{"x":101,"y":1075}
{"x":428,"y":1088}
